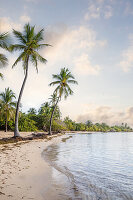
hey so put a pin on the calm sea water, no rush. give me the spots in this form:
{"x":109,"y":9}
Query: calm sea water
{"x":98,"y":166}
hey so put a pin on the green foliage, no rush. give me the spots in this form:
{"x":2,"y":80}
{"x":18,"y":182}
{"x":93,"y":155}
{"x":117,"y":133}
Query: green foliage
{"x":7,"y":105}
{"x":4,"y":43}
{"x":89,"y":126}
{"x":26,"y":124}
{"x":58,"y":126}
{"x":33,"y":121}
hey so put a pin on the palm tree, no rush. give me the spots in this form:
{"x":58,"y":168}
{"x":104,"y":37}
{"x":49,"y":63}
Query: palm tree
{"x":62,"y":80}
{"x":7,"y":105}
{"x":29,"y":44}
{"x":4,"y":42}
{"x":53,"y":99}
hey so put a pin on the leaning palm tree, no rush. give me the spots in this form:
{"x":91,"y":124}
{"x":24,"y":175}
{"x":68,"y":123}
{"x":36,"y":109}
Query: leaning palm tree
{"x":29,"y":44}
{"x":7,"y":105}
{"x":62,"y":81}
{"x":4,"y":43}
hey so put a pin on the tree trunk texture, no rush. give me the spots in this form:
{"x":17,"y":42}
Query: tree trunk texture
{"x":6,"y":123}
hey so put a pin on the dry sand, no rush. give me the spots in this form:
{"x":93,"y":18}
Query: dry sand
{"x":24,"y":174}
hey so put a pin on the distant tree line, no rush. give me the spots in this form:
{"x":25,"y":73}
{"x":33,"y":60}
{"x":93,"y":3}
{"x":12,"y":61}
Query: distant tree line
{"x":98,"y":127}
{"x":39,"y":120}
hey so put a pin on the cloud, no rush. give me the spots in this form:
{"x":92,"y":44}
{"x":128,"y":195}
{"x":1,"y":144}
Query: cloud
{"x":72,"y":47}
{"x":98,"y":9}
{"x":127,"y":56}
{"x":84,"y":66}
{"x":106,"y":114}
{"x":6,"y":24}
{"x":25,"y":19}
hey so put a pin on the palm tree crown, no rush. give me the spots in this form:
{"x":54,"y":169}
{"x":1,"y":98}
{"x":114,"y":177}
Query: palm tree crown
{"x":62,"y":81}
{"x":4,"y":42}
{"x":29,"y":44}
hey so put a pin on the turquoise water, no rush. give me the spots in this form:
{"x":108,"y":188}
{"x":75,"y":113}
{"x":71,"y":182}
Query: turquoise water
{"x":98,"y":166}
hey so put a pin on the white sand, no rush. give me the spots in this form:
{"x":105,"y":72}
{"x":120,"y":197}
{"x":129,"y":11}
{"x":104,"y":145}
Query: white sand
{"x":24,"y":174}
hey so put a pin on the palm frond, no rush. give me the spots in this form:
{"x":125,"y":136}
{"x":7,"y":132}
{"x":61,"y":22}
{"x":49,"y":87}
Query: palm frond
{"x":39,"y":36}
{"x":69,"y":90}
{"x":56,"y":76}
{"x":57,"y":90}
{"x":34,"y":61}
{"x":21,"y":56}
{"x":39,"y":57}
{"x":19,"y":36}
{"x":13,"y":104}
{"x":17,"y":47}
{"x":54,"y":83}
{"x":3,"y":60}
{"x":4,"y":40}
{"x":40,"y":46}
{"x":72,"y":81}
{"x":65,"y":93}
{"x":1,"y":75}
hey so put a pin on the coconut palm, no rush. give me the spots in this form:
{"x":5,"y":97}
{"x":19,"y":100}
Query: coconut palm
{"x":62,"y":80}
{"x":4,"y":42}
{"x":7,"y":105}
{"x":29,"y":45}
{"x":53,"y":99}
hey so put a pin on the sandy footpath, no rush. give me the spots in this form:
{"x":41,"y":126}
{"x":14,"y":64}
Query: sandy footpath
{"x":23,"y":172}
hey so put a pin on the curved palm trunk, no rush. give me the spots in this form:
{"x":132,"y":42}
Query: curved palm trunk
{"x":6,"y":123}
{"x":16,"y":131}
{"x":50,"y":133}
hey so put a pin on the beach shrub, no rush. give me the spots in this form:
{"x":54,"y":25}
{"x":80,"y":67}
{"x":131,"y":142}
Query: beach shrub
{"x":58,"y":126}
{"x":26,"y":124}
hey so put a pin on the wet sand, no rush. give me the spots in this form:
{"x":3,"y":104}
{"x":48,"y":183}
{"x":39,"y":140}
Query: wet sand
{"x":25,"y":175}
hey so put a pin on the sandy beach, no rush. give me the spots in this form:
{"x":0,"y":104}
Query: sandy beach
{"x":25,"y":174}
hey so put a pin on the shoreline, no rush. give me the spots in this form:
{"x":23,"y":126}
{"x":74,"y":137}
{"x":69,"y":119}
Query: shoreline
{"x":8,"y":137}
{"x":24,"y":172}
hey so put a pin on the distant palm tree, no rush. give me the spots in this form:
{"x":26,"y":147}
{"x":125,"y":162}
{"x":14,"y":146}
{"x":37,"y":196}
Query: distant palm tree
{"x":29,"y":44}
{"x":7,"y":105}
{"x":4,"y":42}
{"x":53,"y":99}
{"x":62,"y":80}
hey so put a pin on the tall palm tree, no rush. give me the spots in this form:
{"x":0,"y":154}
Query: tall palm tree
{"x":7,"y":105}
{"x":4,"y":43}
{"x":29,"y":45}
{"x":62,"y":80}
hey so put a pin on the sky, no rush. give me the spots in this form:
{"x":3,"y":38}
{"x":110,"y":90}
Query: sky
{"x":93,"y":39}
